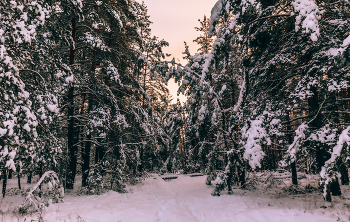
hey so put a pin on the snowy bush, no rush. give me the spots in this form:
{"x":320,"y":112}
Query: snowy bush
{"x":53,"y":194}
{"x":95,"y":179}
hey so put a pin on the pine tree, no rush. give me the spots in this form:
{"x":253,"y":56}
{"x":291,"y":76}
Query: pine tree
{"x":204,"y":40}
{"x":18,"y":121}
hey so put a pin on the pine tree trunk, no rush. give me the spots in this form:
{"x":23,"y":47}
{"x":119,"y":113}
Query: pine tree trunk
{"x":344,"y":174}
{"x":99,"y":151}
{"x":86,"y":160}
{"x":294,"y":173}
{"x":29,"y":178}
{"x":10,"y":174}
{"x":40,"y":175}
{"x":72,"y":149}
{"x":328,"y":195}
{"x":335,"y":187}
{"x":4,"y":182}
{"x":292,"y":165}
{"x":19,"y":176}
{"x":140,"y":167}
{"x":314,"y":106}
{"x":71,"y":171}
{"x":19,"y":181}
{"x":242,"y":177}
{"x":87,"y":151}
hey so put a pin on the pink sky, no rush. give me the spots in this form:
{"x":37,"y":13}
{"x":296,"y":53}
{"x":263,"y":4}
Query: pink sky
{"x":174,"y":21}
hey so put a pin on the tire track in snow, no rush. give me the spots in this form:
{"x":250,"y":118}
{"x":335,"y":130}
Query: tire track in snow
{"x":172,"y":207}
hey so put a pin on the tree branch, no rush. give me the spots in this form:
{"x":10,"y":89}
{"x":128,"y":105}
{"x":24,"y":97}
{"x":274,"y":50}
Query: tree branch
{"x":271,"y":16}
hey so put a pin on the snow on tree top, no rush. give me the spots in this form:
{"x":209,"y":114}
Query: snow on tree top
{"x":308,"y":15}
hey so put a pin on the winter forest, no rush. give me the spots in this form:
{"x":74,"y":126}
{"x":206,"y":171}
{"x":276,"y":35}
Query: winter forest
{"x":85,"y":111}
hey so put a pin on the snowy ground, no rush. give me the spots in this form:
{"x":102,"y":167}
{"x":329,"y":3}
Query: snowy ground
{"x":188,"y":199}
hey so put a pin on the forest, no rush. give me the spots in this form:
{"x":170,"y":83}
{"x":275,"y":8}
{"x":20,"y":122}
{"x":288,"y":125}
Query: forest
{"x":83,"y":91}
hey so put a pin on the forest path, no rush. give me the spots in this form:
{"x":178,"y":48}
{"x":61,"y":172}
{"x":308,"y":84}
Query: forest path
{"x":185,"y":199}
{"x":172,"y":205}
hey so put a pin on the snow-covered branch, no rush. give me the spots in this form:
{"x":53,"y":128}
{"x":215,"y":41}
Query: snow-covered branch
{"x":327,"y":172}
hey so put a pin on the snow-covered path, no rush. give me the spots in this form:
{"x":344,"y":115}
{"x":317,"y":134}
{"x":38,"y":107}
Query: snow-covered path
{"x":188,"y":199}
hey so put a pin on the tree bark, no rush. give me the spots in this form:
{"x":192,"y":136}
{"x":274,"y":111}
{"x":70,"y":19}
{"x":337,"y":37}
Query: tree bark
{"x":335,"y":187}
{"x":87,"y":151}
{"x":19,"y":181}
{"x":19,"y":176}
{"x":242,"y":177}
{"x":316,"y":123}
{"x":343,"y":170}
{"x":40,"y":175}
{"x":72,"y":149}
{"x":294,"y":174}
{"x":10,"y":174}
{"x":29,"y":177}
{"x":99,"y":151}
{"x":4,"y":182}
{"x":292,"y":165}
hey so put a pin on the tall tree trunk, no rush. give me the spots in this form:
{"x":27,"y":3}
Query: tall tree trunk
{"x":19,"y":176}
{"x":343,"y":170}
{"x":4,"y":182}
{"x":292,"y":165}
{"x":10,"y":174}
{"x":314,"y":106}
{"x":335,"y":187}
{"x":29,"y":177}
{"x":19,"y":181}
{"x":99,"y":151}
{"x":72,"y":148}
{"x":40,"y":175}
{"x":294,"y":173}
{"x":86,"y":153}
{"x":242,"y":177}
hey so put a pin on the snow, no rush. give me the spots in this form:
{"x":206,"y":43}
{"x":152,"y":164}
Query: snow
{"x":2,"y":131}
{"x":69,"y":79}
{"x":26,"y":127}
{"x":343,"y":138}
{"x":335,"y":51}
{"x":240,"y":98}
{"x":59,"y":74}
{"x":52,"y":108}
{"x":307,"y":15}
{"x":201,"y":113}
{"x":10,"y":165}
{"x":186,"y":199}
{"x":294,"y":147}
{"x":4,"y":152}
{"x":324,"y":135}
{"x":255,"y":136}
{"x":346,"y":42}
{"x":12,"y":154}
{"x":94,"y":41}
{"x":327,"y":172}
{"x":215,"y":16}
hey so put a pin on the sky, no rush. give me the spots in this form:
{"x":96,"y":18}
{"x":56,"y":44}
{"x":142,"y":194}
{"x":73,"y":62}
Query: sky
{"x":174,"y":21}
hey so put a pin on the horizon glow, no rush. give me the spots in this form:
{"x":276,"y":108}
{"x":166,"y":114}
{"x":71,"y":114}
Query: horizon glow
{"x":174,"y":21}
